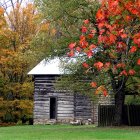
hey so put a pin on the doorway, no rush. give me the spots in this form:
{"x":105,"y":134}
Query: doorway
{"x":53,"y":108}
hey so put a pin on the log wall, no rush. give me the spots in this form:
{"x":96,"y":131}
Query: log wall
{"x":83,"y":107}
{"x":69,"y":106}
{"x":43,"y":90}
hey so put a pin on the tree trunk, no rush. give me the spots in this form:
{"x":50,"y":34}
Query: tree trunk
{"x":119,"y":102}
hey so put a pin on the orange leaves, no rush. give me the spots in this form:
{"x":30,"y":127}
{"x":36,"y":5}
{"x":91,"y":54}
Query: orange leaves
{"x":85,"y":65}
{"x":123,"y":36}
{"x":84,"y":29}
{"x":93,"y":31}
{"x":101,"y":89}
{"x":123,"y":73}
{"x":120,"y":65}
{"x":133,"y":7}
{"x":112,"y":39}
{"x":138,"y":61}
{"x":44,"y":27}
{"x":92,"y":46}
{"x":93,"y":84}
{"x":83,"y":43}
{"x":114,"y":7}
{"x":98,"y":65}
{"x":78,"y":49}
{"x":71,"y":53}
{"x":89,"y":53}
{"x":1,"y":11}
{"x":72,"y":45}
{"x":107,"y":66}
{"x":86,"y":21}
{"x":131,"y":72}
{"x":100,"y":15}
{"x":121,"y":46}
{"x":133,"y":49}
{"x":90,"y":36}
{"x":102,"y":39}
{"x":136,"y":39}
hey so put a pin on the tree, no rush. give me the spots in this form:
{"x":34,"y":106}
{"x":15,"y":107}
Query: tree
{"x":65,"y":17}
{"x":111,"y":42}
{"x":18,"y":28}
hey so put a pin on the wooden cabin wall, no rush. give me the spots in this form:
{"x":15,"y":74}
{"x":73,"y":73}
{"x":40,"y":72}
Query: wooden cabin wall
{"x":83,"y":107}
{"x":44,"y":89}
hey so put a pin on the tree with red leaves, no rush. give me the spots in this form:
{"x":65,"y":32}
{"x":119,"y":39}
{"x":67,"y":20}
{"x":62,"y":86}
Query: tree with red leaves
{"x":112,"y":43}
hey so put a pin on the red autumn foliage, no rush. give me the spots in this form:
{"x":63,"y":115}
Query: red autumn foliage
{"x":72,"y":45}
{"x":92,"y":46}
{"x":86,"y":21}
{"x":78,"y":49}
{"x":71,"y":53}
{"x":105,"y":93}
{"x":138,"y":61}
{"x":131,"y":72}
{"x":133,"y":49}
{"x":117,"y":38}
{"x":89,"y":53}
{"x":90,"y":35}
{"x":84,"y":29}
{"x":123,"y":73}
{"x":85,"y":65}
{"x":98,"y":65}
{"x":120,"y":65}
{"x":107,"y":65}
{"x":93,"y":84}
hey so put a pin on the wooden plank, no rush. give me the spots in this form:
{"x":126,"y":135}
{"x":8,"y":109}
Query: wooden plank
{"x":44,"y":84}
{"x":65,"y":109}
{"x":40,"y":99}
{"x":66,"y":106}
{"x":65,"y":115}
{"x":41,"y":108}
{"x":44,"y":81}
{"x":41,"y":117}
{"x":63,"y":99}
{"x":41,"y":105}
{"x":40,"y":102}
{"x":82,"y":107}
{"x":65,"y":103}
{"x":41,"y":113}
{"x":36,"y":95}
{"x":65,"y":112}
{"x":63,"y":96}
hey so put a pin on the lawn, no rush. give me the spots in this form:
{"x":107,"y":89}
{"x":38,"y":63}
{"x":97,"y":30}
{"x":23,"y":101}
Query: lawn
{"x":67,"y":132}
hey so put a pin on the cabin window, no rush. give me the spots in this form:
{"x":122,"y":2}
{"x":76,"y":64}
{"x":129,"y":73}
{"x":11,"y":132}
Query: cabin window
{"x":52,"y":108}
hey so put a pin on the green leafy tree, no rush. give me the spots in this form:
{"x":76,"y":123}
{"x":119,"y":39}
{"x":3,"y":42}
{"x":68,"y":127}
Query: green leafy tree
{"x":64,"y":17}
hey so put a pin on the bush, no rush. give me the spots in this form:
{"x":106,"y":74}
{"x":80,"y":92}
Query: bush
{"x":132,"y":100}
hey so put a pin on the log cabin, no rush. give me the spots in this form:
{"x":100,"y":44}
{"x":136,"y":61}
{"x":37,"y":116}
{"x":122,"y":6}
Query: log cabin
{"x":58,"y":106}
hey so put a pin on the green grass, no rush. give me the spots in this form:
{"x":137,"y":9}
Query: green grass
{"x":67,"y":132}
